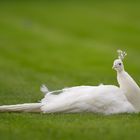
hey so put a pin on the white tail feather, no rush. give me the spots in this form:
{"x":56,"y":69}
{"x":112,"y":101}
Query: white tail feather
{"x":27,"y":107}
{"x":44,"y":89}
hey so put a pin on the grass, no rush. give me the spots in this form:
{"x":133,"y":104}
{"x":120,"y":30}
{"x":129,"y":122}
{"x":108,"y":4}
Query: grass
{"x":69,"y":126}
{"x":65,"y":44}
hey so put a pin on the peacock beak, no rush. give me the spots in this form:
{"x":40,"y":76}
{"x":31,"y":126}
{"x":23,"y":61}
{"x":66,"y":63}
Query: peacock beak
{"x":114,"y":67}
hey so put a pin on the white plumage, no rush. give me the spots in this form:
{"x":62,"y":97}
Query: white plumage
{"x":105,"y":99}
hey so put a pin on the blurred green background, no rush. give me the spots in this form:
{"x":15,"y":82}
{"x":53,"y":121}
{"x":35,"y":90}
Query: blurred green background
{"x":64,"y":44}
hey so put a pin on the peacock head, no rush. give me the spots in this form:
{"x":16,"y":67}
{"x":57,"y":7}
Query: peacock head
{"x":118,"y":63}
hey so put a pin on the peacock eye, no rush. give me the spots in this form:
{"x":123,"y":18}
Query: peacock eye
{"x":120,"y":64}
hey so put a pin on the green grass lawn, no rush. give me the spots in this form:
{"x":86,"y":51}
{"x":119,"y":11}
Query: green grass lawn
{"x":65,"y":44}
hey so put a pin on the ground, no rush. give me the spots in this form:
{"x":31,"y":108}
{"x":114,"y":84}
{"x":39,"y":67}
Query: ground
{"x":64,"y":44}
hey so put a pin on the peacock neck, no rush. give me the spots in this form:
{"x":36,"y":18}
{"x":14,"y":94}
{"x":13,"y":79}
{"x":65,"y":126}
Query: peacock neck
{"x":130,"y":88}
{"x":121,"y":79}
{"x":126,"y":82}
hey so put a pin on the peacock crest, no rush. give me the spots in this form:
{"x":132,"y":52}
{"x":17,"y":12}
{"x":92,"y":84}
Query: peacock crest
{"x":121,"y":54}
